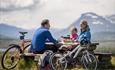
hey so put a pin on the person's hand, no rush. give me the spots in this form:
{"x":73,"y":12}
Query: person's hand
{"x":60,"y":43}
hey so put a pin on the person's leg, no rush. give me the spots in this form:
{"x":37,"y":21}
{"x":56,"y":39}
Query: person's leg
{"x":42,"y":60}
{"x":39,"y":52}
{"x":52,"y":48}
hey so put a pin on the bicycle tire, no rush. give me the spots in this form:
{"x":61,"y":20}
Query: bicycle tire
{"x":92,"y":57}
{"x":12,"y":57}
{"x":52,"y":64}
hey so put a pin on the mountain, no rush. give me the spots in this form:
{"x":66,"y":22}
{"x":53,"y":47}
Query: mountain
{"x":12,"y":31}
{"x":111,"y":18}
{"x":103,"y":36}
{"x":4,"y":37}
{"x":97,"y":23}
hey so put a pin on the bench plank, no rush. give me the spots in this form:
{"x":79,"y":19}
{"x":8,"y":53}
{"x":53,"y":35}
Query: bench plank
{"x":99,"y":53}
{"x":94,"y":43}
{"x":30,"y":54}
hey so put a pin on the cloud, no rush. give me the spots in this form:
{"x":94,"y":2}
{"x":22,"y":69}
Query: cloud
{"x":61,"y":13}
{"x":12,"y":5}
{"x":89,"y":1}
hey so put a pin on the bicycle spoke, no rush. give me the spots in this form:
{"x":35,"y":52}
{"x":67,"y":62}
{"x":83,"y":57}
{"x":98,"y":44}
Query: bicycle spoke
{"x":58,"y":64}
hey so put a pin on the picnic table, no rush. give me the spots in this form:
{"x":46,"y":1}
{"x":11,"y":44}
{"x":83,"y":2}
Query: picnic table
{"x":50,"y":44}
{"x":103,"y":58}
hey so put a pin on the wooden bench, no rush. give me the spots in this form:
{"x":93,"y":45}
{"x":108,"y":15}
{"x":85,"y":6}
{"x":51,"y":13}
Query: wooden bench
{"x":104,"y":59}
{"x":103,"y":56}
{"x":49,"y":44}
{"x":30,"y":56}
{"x":28,"y":61}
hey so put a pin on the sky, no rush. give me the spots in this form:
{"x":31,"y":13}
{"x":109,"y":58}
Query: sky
{"x":28,"y":14}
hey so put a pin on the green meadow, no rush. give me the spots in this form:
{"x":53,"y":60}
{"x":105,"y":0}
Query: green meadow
{"x":104,"y":46}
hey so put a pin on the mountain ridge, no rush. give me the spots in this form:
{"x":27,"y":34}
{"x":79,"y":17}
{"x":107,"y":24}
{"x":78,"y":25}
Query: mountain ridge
{"x":96,"y":22}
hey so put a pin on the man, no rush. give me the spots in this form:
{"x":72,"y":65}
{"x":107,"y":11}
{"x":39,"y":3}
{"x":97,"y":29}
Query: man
{"x":40,"y":36}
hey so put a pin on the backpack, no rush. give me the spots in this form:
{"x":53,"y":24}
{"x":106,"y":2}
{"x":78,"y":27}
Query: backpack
{"x":44,"y":59}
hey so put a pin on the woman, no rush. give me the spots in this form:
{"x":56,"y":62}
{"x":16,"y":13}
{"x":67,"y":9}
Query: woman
{"x":84,"y":35}
{"x":85,"y":32}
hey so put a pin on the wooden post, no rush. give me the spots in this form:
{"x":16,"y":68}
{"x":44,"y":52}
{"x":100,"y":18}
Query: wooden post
{"x":27,"y":63}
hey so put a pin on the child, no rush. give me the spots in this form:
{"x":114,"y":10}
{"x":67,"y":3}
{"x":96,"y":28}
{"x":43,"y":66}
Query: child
{"x":73,"y":35}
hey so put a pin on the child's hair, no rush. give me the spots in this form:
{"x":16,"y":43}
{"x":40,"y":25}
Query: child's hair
{"x":74,"y":29}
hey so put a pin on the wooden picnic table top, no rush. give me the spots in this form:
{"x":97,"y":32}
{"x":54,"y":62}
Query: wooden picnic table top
{"x":61,"y":43}
{"x":52,"y":44}
{"x":69,"y":43}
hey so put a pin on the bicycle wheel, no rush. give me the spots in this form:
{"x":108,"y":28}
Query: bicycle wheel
{"x":57,"y":63}
{"x":11,"y":57}
{"x":89,"y":61}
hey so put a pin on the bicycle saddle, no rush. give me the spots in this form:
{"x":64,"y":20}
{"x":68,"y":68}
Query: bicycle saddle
{"x":23,"y":33}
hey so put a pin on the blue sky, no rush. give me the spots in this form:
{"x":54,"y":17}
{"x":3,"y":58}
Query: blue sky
{"x":61,"y":13}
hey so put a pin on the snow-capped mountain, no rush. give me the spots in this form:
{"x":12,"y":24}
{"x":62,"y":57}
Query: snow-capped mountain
{"x":97,"y":23}
{"x":99,"y":26}
{"x":111,"y":18}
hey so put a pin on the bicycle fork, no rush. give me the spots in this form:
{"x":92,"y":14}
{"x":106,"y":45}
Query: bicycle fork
{"x":87,"y":57}
{"x":78,"y":51}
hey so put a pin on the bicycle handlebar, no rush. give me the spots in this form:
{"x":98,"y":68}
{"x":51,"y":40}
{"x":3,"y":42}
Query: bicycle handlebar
{"x":23,"y":33}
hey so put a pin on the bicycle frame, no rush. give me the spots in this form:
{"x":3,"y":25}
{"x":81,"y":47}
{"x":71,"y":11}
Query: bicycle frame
{"x":77,"y":50}
{"x":23,"y":41}
{"x":87,"y":58}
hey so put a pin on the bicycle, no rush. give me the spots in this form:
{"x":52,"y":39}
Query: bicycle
{"x":79,"y":54}
{"x":13,"y":54}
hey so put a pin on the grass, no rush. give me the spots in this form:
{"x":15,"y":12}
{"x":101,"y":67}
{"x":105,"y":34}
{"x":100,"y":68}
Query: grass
{"x":31,"y":65}
{"x":107,"y":46}
{"x":113,"y":61}
{"x":23,"y":64}
{"x":27,"y":65}
{"x":4,"y":43}
{"x":0,"y":60}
